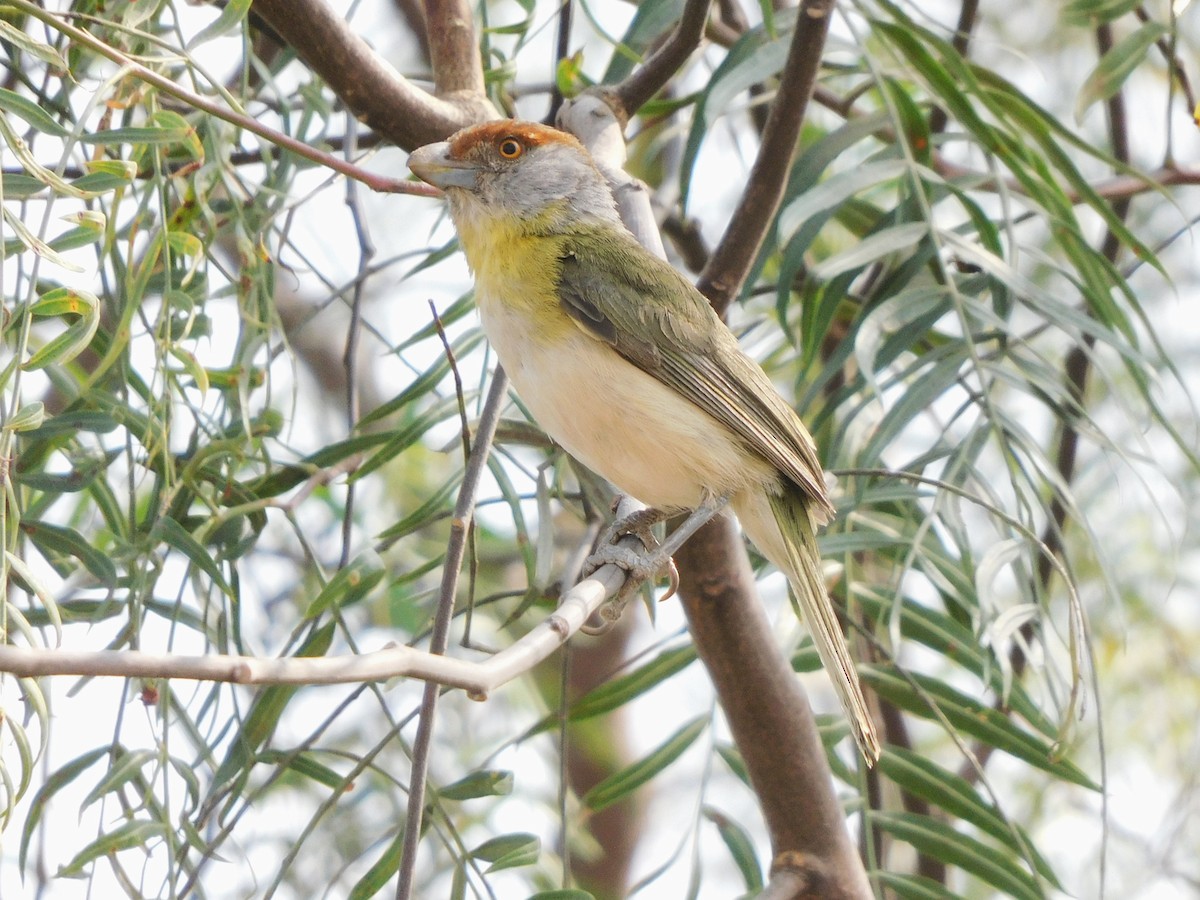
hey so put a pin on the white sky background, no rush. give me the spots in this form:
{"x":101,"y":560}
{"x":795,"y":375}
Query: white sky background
{"x":1148,"y":775}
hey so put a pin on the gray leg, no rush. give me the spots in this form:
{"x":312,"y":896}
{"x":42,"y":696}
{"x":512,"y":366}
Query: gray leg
{"x":651,"y":564}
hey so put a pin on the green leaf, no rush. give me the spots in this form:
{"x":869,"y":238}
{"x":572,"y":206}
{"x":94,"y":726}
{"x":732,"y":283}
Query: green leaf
{"x":956,"y":796}
{"x":78,"y":335}
{"x":56,"y":541}
{"x":939,"y":840}
{"x":741,"y":848}
{"x":174,"y":535}
{"x":621,"y":784}
{"x":616,"y":692}
{"x":483,"y":783}
{"x":973,"y":718}
{"x":35,"y":48}
{"x":896,"y":239}
{"x":31,"y":112}
{"x":232,"y":15}
{"x":128,"y":836}
{"x":266,"y":711}
{"x":381,"y":871}
{"x":509,"y":851}
{"x":306,"y":764}
{"x":351,"y":584}
{"x":1090,"y":13}
{"x":127,"y":767}
{"x":915,"y":887}
{"x":1116,"y":65}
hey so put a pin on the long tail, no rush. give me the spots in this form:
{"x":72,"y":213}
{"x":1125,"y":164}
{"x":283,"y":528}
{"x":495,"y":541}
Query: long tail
{"x":781,"y":528}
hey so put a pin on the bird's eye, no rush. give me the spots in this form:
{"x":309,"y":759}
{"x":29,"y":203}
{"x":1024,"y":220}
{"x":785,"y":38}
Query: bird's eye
{"x":510,"y":148}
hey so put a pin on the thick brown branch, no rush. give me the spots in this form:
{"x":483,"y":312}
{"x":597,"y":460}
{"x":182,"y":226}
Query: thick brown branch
{"x":632,"y":93}
{"x":453,"y":48}
{"x":389,"y":103}
{"x":731,"y":261}
{"x":767,"y":710}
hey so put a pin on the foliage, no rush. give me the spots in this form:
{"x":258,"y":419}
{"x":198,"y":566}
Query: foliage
{"x":187,"y":310}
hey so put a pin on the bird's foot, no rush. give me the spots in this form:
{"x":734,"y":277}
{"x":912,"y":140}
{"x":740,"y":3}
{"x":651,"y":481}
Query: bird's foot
{"x":654,"y":563}
{"x":649,"y":564}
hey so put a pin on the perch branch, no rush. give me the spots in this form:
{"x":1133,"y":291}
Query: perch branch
{"x":662,"y":65}
{"x":374,"y":91}
{"x":730,"y":263}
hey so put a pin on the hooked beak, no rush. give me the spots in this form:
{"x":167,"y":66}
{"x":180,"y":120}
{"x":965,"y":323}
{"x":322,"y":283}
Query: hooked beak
{"x":432,"y":163}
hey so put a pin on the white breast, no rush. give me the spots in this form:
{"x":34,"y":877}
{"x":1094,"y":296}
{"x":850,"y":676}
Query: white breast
{"x":617,"y":420}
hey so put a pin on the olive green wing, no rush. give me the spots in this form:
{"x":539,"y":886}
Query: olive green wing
{"x":617,"y":292}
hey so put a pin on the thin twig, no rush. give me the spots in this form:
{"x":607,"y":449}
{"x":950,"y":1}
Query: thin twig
{"x":649,"y":78}
{"x":439,"y":639}
{"x":561,"y":48}
{"x":730,"y":263}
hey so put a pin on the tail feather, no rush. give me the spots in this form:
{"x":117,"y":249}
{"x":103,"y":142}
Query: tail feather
{"x":782,"y":529}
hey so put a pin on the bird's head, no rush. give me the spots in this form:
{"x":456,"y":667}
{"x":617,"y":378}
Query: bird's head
{"x":517,"y":175}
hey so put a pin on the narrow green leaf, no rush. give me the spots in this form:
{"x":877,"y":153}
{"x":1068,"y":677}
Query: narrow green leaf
{"x":381,"y":871}
{"x":1090,"y":13}
{"x":56,"y":541}
{"x":973,"y":718}
{"x":266,"y":711}
{"x":128,"y":766}
{"x":28,"y":418}
{"x":915,"y":887}
{"x":351,"y":584}
{"x":896,"y":239}
{"x":509,"y":851}
{"x":1116,"y":65}
{"x":483,"y":783}
{"x":955,"y":795}
{"x":35,"y":48}
{"x":741,"y":848}
{"x":128,"y":836}
{"x":231,"y":17}
{"x":306,"y":764}
{"x":939,"y":840}
{"x":35,"y":115}
{"x":174,"y":535}
{"x":616,"y":692}
{"x":622,"y":783}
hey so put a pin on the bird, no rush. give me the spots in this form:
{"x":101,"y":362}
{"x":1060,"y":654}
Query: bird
{"x":625,"y":364}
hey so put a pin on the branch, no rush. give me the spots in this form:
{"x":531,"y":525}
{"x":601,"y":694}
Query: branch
{"x":234,"y":117}
{"x":478,"y":679}
{"x":633,"y":93}
{"x":730,"y":263}
{"x":453,"y":50}
{"x":374,"y":92}
{"x":767,"y":711}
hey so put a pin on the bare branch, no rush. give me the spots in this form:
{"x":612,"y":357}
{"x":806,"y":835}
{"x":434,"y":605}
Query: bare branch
{"x":766,"y":708}
{"x":478,"y":679}
{"x":373,"y":91}
{"x":632,"y":93}
{"x":453,"y":49}
{"x":730,"y":263}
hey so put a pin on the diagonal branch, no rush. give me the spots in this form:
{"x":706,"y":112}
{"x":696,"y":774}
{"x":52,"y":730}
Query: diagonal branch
{"x":633,"y":93}
{"x":731,"y":261}
{"x":374,"y":92}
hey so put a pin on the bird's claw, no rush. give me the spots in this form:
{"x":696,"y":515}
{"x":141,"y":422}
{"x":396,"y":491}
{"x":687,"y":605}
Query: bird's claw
{"x":649,"y":565}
